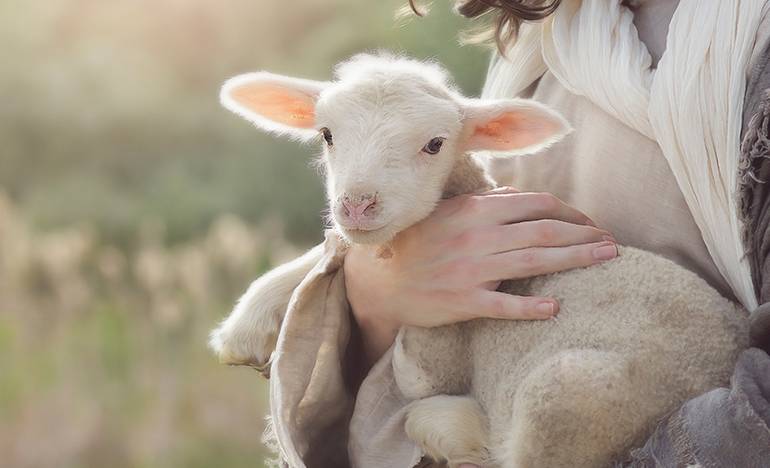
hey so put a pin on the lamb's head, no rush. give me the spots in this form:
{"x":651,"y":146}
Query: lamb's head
{"x":392,"y":131}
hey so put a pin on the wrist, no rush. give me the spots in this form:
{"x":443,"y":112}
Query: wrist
{"x":377,"y":334}
{"x":368,"y":303}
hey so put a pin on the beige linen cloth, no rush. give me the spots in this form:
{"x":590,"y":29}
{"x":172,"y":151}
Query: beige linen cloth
{"x":310,"y":404}
{"x":616,"y":175}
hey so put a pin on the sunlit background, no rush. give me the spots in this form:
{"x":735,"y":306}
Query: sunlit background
{"x":134,"y":211}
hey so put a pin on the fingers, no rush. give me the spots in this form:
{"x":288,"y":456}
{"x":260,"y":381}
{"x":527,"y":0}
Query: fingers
{"x":541,"y":233}
{"x":544,"y":233}
{"x":505,"y":208}
{"x":498,"y":305}
{"x":525,"y":263}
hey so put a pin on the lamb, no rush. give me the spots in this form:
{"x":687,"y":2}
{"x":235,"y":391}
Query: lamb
{"x":635,"y":337}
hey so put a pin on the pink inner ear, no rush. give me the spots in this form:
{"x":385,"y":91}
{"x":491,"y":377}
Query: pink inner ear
{"x":513,"y":130}
{"x":277,"y":103}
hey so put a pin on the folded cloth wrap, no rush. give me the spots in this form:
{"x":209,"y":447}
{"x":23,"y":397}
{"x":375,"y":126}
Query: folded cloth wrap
{"x":310,"y":403}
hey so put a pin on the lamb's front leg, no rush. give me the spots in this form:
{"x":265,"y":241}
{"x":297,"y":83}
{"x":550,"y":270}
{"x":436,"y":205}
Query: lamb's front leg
{"x":432,"y":361}
{"x":432,"y":366}
{"x":451,"y":429}
{"x":248,"y":335}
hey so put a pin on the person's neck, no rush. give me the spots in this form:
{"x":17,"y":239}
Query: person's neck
{"x":651,"y":18}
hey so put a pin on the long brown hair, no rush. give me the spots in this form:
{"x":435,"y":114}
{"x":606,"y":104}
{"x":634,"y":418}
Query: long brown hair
{"x":510,"y":15}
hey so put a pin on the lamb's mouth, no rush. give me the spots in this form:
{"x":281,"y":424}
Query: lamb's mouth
{"x":366,"y":230}
{"x":363,"y":228}
{"x":375,"y":234}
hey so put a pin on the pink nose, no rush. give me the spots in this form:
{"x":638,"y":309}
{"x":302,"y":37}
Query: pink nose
{"x":358,"y":208}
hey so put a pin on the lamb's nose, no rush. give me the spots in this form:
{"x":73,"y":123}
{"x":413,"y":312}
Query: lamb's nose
{"x":359,"y":207}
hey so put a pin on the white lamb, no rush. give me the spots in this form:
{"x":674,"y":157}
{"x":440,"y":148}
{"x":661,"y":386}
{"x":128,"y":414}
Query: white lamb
{"x":635,"y":337}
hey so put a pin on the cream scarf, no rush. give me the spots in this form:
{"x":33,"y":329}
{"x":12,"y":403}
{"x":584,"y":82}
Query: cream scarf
{"x":691,"y":105}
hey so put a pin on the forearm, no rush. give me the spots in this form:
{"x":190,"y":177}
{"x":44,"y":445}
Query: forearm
{"x":376,"y":336}
{"x":375,"y":325}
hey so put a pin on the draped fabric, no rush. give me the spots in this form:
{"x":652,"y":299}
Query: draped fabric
{"x":691,"y":104}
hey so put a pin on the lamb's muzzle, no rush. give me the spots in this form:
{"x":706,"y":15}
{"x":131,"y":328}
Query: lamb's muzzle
{"x":358,"y":211}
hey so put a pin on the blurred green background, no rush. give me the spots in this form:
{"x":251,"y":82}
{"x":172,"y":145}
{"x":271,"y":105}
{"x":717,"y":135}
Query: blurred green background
{"x":134,"y":211}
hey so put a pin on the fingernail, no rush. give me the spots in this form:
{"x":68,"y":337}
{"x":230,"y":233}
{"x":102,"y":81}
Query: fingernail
{"x":606,"y":251}
{"x":503,"y":189}
{"x":546,"y":308}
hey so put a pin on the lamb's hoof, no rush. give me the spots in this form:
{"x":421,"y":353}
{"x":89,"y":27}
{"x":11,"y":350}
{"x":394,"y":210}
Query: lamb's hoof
{"x":263,"y":369}
{"x":252,"y":351}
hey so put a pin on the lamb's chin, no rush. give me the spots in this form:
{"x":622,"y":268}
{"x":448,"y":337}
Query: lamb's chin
{"x":370,"y":236}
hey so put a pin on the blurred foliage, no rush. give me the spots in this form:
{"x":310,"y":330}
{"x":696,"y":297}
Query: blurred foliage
{"x":133,"y":211}
{"x":102,"y":353}
{"x":110,"y":109}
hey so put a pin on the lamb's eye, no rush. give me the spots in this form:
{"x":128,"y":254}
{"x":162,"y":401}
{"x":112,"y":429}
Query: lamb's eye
{"x":327,"y":136}
{"x":433,"y":146}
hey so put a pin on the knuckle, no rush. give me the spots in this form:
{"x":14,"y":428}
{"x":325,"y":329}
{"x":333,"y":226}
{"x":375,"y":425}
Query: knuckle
{"x":547,"y":230}
{"x":465,"y":240}
{"x":572,"y":255}
{"x":450,"y":302}
{"x":451,"y":205}
{"x":584,"y":255}
{"x":471,"y":270}
{"x":598,"y":234}
{"x":457,"y":271}
{"x":450,"y":208}
{"x":529,"y":258}
{"x":497,"y":307}
{"x":545,"y":201}
{"x":529,"y":308}
{"x":471,"y":204}
{"x":462,"y":305}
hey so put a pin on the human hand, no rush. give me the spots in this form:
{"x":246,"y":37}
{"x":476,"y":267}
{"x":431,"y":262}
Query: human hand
{"x":445,"y":269}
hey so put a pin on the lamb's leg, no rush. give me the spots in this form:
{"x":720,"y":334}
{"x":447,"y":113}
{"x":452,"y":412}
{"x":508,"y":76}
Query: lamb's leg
{"x":248,"y":335}
{"x":450,"y":429}
{"x":432,"y":361}
{"x":581,"y":408}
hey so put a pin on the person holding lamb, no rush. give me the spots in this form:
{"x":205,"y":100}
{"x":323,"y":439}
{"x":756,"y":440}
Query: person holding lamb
{"x":669,"y":154}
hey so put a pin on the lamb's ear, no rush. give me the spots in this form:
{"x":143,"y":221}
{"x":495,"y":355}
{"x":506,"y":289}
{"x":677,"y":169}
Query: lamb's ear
{"x":513,"y":126}
{"x":275,"y":103}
